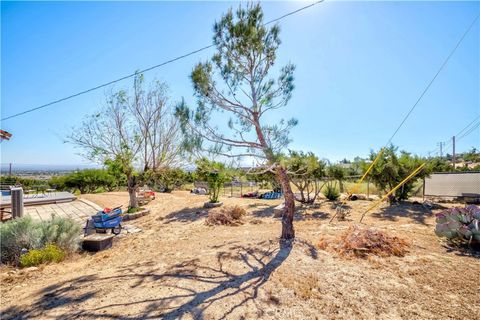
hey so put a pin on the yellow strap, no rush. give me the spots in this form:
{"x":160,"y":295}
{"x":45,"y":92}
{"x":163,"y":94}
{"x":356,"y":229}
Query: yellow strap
{"x":366,"y":172}
{"x":376,"y":203}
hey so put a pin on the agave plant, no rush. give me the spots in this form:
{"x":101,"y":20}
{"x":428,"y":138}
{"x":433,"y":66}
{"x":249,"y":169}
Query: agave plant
{"x":459,"y":224}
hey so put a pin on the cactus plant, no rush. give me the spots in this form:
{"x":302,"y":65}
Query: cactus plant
{"x":459,"y":224}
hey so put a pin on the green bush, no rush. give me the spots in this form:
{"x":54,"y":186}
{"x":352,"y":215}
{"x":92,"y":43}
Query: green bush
{"x":64,"y":233}
{"x":331,"y":192}
{"x":215,"y":174}
{"x":87,"y":181}
{"x":35,"y":257}
{"x":16,"y":235}
{"x":24,"y":233}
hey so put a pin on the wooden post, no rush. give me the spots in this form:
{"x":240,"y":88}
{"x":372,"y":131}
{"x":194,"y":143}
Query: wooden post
{"x":423,"y":191}
{"x":368,"y":189}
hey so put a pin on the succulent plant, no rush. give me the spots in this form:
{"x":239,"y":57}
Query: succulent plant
{"x":459,"y":224}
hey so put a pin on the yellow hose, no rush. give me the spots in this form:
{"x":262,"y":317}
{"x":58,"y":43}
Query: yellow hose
{"x":366,"y":172}
{"x":376,"y":203}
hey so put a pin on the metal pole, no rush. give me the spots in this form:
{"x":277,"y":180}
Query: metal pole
{"x":16,"y":198}
{"x":10,"y":170}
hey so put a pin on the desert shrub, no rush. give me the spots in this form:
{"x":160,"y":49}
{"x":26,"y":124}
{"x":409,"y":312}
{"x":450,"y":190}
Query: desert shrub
{"x":24,"y":233}
{"x":342,"y":212}
{"x":64,"y":233}
{"x":18,"y":234}
{"x":331,"y":192}
{"x":35,"y":257}
{"x":230,"y":215}
{"x":361,"y":242}
{"x":459,"y":225}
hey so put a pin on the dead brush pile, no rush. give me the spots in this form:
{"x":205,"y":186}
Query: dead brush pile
{"x":361,"y":242}
{"x":229,"y":215}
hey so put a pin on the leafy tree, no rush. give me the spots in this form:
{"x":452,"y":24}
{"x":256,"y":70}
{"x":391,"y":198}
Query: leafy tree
{"x":132,"y":130}
{"x":336,"y":173}
{"x":306,"y":171}
{"x":266,"y":179}
{"x":439,"y":165}
{"x":166,"y":179}
{"x":115,"y":169}
{"x":391,"y":168}
{"x":473,"y":155}
{"x":88,"y":180}
{"x":215,"y":174}
{"x":237,"y":81}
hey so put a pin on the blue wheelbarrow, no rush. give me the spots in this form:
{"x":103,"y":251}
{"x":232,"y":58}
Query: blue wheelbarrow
{"x":105,"y":220}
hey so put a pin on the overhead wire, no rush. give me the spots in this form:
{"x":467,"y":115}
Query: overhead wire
{"x":146,"y":69}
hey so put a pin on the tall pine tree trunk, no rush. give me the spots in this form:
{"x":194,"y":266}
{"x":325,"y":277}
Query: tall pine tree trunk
{"x":287,"y":218}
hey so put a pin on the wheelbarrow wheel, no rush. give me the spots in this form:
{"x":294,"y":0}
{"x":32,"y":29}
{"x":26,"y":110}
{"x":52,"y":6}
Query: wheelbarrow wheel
{"x":116,"y":230}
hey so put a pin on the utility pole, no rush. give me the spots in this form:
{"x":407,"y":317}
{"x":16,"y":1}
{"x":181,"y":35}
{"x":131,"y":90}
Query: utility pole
{"x":453,"y":155}
{"x":441,"y":144}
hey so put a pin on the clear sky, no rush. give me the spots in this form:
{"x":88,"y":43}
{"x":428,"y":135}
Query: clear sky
{"x":360,"y":68}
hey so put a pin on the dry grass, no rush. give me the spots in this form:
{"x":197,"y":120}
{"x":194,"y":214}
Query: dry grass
{"x":362,"y":242}
{"x":178,"y":263}
{"x":229,"y":215}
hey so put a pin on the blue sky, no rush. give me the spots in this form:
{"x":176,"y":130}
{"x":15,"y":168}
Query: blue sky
{"x":360,"y":68}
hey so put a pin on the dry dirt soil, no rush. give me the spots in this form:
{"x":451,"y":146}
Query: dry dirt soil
{"x":180,"y":268}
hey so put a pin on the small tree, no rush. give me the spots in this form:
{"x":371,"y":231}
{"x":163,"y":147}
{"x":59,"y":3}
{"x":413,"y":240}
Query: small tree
{"x":111,"y":134}
{"x":166,"y":179}
{"x":135,"y":130}
{"x":392,"y":168}
{"x":307,"y":172}
{"x":336,"y":173}
{"x":236,"y":81}
{"x":215,"y":174}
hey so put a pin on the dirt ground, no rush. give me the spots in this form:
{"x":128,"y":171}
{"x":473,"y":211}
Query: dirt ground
{"x":178,"y":267}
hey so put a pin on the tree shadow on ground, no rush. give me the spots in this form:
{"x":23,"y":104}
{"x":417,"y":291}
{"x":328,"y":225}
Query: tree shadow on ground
{"x":194,"y":287}
{"x":262,"y":210}
{"x":317,"y":215}
{"x":464,"y":250}
{"x":416,"y":212}
{"x":187,"y":215}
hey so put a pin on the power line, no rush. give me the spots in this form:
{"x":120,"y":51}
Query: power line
{"x":433,"y":79}
{"x":458,"y":137}
{"x":147,"y":69}
{"x":293,"y":12}
{"x":466,"y":127}
{"x":469,"y":131}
